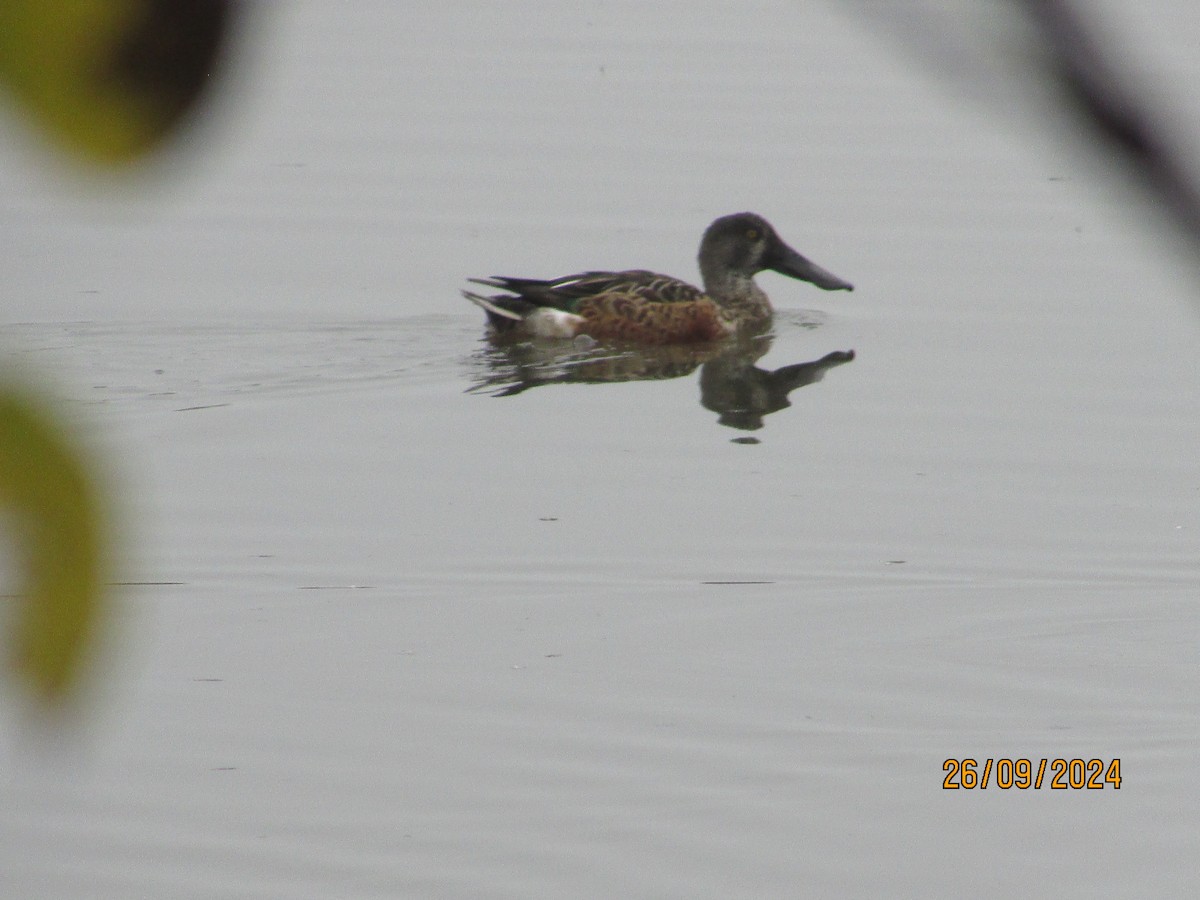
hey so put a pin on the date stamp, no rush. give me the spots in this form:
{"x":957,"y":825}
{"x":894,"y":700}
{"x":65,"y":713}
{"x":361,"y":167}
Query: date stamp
{"x":1023,"y":774}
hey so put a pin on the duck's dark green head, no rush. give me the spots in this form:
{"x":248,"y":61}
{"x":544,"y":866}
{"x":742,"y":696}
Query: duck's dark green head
{"x":744,"y":244}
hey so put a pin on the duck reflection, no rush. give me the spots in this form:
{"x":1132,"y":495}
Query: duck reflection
{"x":731,"y":384}
{"x":742,"y":394}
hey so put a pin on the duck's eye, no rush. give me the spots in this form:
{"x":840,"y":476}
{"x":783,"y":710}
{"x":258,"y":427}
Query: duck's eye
{"x":752,"y":234}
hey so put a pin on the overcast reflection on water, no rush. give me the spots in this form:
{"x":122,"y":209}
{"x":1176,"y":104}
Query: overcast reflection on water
{"x":405,"y":627}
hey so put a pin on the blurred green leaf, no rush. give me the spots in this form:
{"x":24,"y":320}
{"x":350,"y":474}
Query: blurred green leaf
{"x":51,"y":503}
{"x":109,"y":78}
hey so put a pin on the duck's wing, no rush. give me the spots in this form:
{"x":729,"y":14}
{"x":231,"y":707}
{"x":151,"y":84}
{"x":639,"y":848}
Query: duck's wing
{"x":565,"y":292}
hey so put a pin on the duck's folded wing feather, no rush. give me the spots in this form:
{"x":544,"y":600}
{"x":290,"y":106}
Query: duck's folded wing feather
{"x":565,"y":291}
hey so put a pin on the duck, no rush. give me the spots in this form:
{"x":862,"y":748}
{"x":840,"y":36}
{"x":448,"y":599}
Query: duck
{"x":645,"y":307}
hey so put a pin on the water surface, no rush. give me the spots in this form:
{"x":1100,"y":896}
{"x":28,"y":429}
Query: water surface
{"x":418,"y":616}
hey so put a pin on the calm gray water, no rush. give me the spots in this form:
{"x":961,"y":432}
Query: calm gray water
{"x":419,"y":617}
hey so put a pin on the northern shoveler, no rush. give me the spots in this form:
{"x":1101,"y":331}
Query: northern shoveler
{"x":657,"y":309}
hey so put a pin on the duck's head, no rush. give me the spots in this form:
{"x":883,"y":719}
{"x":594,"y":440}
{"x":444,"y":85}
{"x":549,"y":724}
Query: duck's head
{"x":743,"y":244}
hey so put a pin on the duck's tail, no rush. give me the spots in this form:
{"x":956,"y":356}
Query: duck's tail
{"x":491,"y":308}
{"x":506,"y":314}
{"x":500,"y":317}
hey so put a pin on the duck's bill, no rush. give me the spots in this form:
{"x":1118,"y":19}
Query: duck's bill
{"x":794,"y":265}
